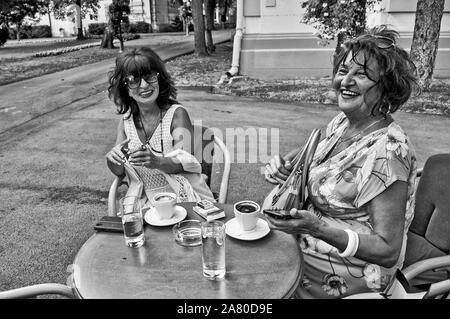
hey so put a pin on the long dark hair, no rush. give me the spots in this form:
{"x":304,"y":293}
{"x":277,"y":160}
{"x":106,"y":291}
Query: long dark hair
{"x":139,"y":62}
{"x":397,"y":73}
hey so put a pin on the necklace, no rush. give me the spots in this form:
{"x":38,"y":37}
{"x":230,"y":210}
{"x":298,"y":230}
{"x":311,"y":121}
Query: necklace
{"x":339,"y":145}
{"x":355,"y":136}
{"x":147,"y":138}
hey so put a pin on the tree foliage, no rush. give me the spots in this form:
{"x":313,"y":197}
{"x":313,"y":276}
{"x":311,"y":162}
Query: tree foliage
{"x":5,"y":4}
{"x":185,"y":14}
{"x":14,"y":12}
{"x":59,"y":8}
{"x":337,"y":19}
{"x":118,"y":14}
{"x":4,"y":34}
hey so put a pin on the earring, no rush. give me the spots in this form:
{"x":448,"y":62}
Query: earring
{"x":382,"y":109}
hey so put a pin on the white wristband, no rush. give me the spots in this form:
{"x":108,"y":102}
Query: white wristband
{"x":356,"y":246}
{"x":352,"y":244}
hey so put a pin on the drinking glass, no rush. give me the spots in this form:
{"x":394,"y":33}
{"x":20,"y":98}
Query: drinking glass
{"x":213,"y":249}
{"x":133,"y":225}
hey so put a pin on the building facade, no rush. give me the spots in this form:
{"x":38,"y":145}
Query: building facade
{"x":158,"y":13}
{"x":275,"y":45}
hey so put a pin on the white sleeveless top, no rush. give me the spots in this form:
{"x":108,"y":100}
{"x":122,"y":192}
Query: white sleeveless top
{"x":189,"y":185}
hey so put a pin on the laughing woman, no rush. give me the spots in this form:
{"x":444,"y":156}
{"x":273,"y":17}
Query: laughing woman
{"x":154,"y":127}
{"x":361,"y":180}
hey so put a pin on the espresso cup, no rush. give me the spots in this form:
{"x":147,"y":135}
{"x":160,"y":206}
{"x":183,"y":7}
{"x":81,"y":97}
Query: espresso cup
{"x":164,"y":204}
{"x":247,"y":214}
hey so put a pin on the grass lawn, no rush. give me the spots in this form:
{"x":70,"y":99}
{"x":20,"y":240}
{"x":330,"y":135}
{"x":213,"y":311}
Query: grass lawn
{"x":13,"y":69}
{"x":27,"y":47}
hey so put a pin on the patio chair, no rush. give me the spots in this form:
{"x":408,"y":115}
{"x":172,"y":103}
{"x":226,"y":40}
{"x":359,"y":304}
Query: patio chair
{"x":426,"y":272}
{"x":38,"y":290}
{"x":206,"y":161}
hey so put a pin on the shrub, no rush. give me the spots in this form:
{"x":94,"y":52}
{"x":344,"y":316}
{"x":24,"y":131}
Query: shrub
{"x":96,"y":28}
{"x":165,"y":27}
{"x":130,"y":36}
{"x":4,"y":35}
{"x":139,"y":27}
{"x":25,"y":32}
{"x":176,"y":25}
{"x":41,"y":31}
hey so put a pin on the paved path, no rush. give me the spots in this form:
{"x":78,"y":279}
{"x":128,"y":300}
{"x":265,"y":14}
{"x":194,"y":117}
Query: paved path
{"x":27,"y":100}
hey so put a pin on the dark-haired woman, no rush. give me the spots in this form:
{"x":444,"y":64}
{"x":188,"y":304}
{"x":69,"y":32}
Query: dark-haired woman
{"x":155,"y":129}
{"x":361,"y":182}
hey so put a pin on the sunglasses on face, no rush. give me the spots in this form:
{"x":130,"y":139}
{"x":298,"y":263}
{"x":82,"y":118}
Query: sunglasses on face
{"x":134,"y":82}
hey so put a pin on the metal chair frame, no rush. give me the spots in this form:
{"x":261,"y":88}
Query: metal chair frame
{"x":37,"y":290}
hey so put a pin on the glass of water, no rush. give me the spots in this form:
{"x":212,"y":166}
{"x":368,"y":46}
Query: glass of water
{"x":133,"y":226}
{"x":213,"y":249}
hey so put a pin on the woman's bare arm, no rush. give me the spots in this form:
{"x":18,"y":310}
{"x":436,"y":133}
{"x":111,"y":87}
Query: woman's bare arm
{"x":114,"y":157}
{"x":382,"y":246}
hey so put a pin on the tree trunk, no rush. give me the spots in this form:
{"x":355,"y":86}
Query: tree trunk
{"x":210,"y":6}
{"x":120,"y":36}
{"x":50,"y":22}
{"x":153,"y":15}
{"x":107,"y":41}
{"x":223,"y":17}
{"x":199,"y":28}
{"x":337,"y":50}
{"x":186,"y":27}
{"x":18,"y":32}
{"x":108,"y":35}
{"x":80,"y":35}
{"x":426,"y":39}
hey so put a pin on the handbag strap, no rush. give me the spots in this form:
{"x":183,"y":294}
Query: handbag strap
{"x":299,"y":159}
{"x":310,"y":151}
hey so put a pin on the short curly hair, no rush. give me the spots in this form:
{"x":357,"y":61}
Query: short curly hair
{"x":397,"y":73}
{"x":138,"y":62}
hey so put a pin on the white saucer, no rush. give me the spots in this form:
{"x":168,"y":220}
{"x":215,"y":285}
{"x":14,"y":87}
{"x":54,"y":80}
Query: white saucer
{"x":233,"y":229}
{"x":152,"y":218}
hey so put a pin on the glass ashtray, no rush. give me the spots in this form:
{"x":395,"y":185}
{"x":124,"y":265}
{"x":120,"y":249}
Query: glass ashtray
{"x":188,"y":233}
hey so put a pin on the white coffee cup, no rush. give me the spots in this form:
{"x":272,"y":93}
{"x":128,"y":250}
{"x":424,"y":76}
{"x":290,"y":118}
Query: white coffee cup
{"x":247,"y":214}
{"x":164,"y":204}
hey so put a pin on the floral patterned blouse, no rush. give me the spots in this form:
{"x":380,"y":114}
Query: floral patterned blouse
{"x":340,"y":187}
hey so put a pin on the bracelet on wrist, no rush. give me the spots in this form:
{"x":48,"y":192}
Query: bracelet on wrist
{"x":352,"y":244}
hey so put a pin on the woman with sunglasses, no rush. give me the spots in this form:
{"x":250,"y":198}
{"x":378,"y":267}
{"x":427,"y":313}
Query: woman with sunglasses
{"x":155,"y":133}
{"x":361,"y":181}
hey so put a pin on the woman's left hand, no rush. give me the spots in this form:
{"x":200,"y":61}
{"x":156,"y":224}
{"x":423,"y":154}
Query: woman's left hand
{"x":144,"y":157}
{"x":302,"y":222}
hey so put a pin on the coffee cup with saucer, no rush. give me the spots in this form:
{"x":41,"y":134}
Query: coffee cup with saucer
{"x":164,"y":204}
{"x":165,"y":212}
{"x":246,"y":225}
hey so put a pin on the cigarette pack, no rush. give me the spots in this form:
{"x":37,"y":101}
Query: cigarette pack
{"x":209,"y":214}
{"x":205,"y":204}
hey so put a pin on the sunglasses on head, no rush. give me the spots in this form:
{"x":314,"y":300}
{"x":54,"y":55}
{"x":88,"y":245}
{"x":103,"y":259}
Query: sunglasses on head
{"x":382,"y":41}
{"x":134,"y":82}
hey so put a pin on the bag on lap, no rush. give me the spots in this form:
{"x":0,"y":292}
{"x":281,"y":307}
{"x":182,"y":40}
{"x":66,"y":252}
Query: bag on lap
{"x":292,"y":193}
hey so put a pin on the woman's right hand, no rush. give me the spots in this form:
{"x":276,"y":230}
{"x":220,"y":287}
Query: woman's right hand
{"x":115,"y":155}
{"x":277,"y":170}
